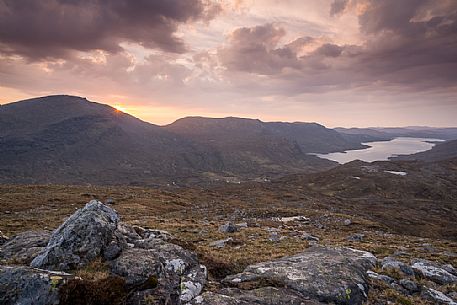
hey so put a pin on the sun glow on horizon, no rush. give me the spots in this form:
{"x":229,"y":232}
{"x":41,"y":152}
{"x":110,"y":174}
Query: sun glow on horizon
{"x":120,"y":108}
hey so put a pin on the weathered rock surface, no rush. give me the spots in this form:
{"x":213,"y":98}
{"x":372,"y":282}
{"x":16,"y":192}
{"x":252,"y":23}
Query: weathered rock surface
{"x":220,"y":243}
{"x":437,"y":297}
{"x":3,"y":238}
{"x":380,"y":277}
{"x":24,"y":247}
{"x":176,"y":271}
{"x":28,"y":286}
{"x":409,"y":285}
{"x":80,"y":239}
{"x":150,"y":267}
{"x":434,"y":272}
{"x":323,"y":274}
{"x":228,"y":228}
{"x":391,"y":264}
{"x":261,"y":296}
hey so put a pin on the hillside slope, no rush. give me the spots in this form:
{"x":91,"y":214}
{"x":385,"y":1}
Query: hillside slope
{"x":70,"y":140}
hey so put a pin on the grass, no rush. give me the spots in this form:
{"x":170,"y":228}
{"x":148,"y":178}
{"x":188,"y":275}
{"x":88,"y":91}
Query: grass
{"x":193,"y":216}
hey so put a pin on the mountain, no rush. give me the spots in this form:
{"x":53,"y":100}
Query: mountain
{"x":242,"y":133}
{"x":65,"y":139}
{"x":70,"y":140}
{"x":441,"y":151}
{"x":392,"y":132}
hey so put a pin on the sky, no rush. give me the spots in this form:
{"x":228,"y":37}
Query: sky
{"x":352,"y":63}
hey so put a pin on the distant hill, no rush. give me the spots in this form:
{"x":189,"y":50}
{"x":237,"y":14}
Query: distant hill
{"x":392,"y":132}
{"x":441,"y":151}
{"x":242,"y":133}
{"x":70,"y":140}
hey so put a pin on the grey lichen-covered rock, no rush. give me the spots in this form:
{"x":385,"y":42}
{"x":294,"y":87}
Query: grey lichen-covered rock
{"x":24,"y":247}
{"x":391,"y":264}
{"x":320,"y":273}
{"x":83,"y":237}
{"x":434,"y":272}
{"x":220,"y":243}
{"x":261,"y":296}
{"x":176,"y":271}
{"x":228,"y":228}
{"x":28,"y":286}
{"x":437,"y":297}
{"x":380,"y":277}
{"x":409,"y":285}
{"x":3,"y":238}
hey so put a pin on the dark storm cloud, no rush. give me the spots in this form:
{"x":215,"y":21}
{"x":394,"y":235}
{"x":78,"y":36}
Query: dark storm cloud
{"x":51,"y":28}
{"x":410,"y":44}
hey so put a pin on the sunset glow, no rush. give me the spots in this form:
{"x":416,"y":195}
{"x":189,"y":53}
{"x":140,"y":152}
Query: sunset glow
{"x":292,"y":60}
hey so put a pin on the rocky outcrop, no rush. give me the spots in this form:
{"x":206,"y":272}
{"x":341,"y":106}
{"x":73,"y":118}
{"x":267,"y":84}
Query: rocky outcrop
{"x":24,"y":247}
{"x":176,"y":272}
{"x":86,"y":235}
{"x":29,"y":286}
{"x":146,"y":264}
{"x":322,"y":274}
{"x":437,"y":297}
{"x":391,"y":264}
{"x":434,"y":272}
{"x":3,"y":238}
{"x":261,"y":296}
{"x":228,"y":228}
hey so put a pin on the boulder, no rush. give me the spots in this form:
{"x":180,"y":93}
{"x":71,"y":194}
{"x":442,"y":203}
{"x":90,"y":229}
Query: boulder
{"x":83,"y":237}
{"x":220,"y":243}
{"x":323,"y":274}
{"x":27,"y":286}
{"x":391,"y":264}
{"x":3,"y":238}
{"x":176,"y":272}
{"x":381,"y":277}
{"x":261,"y":296}
{"x":409,"y":285}
{"x":433,"y":272}
{"x":228,"y":228}
{"x":437,"y":297}
{"x":309,"y":237}
{"x":24,"y":247}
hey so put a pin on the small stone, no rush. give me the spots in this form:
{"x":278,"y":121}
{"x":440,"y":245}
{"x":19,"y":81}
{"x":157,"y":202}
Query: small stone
{"x":309,"y":237}
{"x":220,"y":243}
{"x":380,"y":277}
{"x":390,"y":263}
{"x":276,"y":237}
{"x":3,"y":238}
{"x":242,"y":225}
{"x":356,"y":237}
{"x":347,"y":222}
{"x":110,"y":201}
{"x":228,"y":228}
{"x":409,"y":285}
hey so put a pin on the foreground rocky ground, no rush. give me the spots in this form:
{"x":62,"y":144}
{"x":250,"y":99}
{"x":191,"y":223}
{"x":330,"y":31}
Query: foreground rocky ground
{"x":223,"y":247}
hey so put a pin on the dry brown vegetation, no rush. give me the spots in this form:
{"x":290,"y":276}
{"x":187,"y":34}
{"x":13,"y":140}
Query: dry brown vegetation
{"x":193,"y":216}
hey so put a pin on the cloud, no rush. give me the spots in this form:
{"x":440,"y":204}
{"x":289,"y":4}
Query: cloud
{"x":409,"y":45}
{"x":256,"y":50}
{"x":338,"y":7}
{"x":54,"y":28}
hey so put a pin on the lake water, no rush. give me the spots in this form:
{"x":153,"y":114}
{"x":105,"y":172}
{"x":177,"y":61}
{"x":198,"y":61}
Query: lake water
{"x":381,"y":151}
